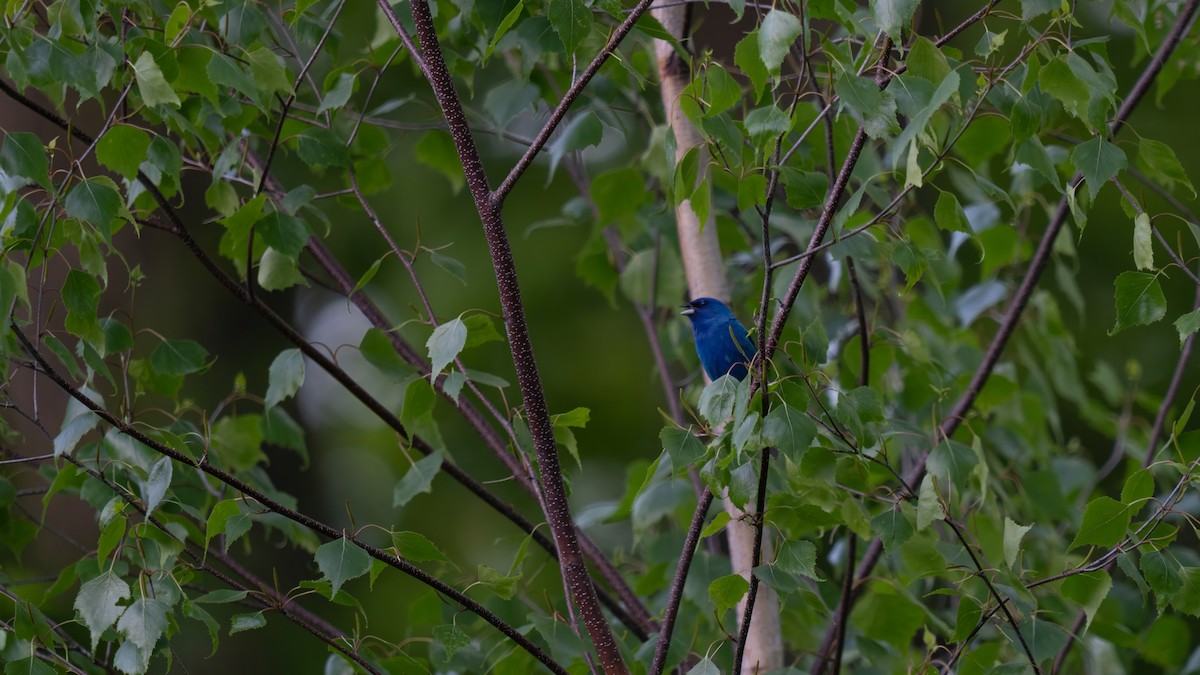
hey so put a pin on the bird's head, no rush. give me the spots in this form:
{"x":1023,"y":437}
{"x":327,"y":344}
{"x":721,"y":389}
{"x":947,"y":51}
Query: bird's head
{"x":705,"y":309}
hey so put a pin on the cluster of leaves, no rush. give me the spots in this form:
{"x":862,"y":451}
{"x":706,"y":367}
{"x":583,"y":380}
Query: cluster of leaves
{"x":1010,"y":529}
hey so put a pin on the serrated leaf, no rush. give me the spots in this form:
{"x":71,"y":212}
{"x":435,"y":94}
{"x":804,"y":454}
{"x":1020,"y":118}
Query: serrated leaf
{"x":418,"y":479}
{"x":724,"y":592}
{"x":1089,"y":589}
{"x":776,"y":34}
{"x":248,"y":621}
{"x":799,"y":557}
{"x":340,"y":561}
{"x":96,"y":201}
{"x":682,"y":447}
{"x":23,"y":156}
{"x":286,"y":375}
{"x":97,"y":603}
{"x":789,"y":430}
{"x":144,"y":622}
{"x":1098,"y":161}
{"x":1139,"y":300}
{"x":892,"y":15}
{"x":1159,"y":160}
{"x":1187,"y":324}
{"x":717,"y":399}
{"x":157,"y":483}
{"x":123,"y":149}
{"x":445,"y":344}
{"x":415,"y":547}
{"x":1105,"y":521}
{"x":1013,"y":534}
{"x":571,"y":19}
{"x":152,"y":86}
{"x":929,"y":507}
{"x":178,"y":357}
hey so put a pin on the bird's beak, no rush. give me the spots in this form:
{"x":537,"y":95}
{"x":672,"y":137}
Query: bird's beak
{"x":688,"y":310}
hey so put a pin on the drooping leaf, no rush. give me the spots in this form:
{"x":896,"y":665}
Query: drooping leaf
{"x":340,"y":561}
{"x":1098,"y":161}
{"x":571,"y":19}
{"x":446,"y":342}
{"x":418,"y":479}
{"x":286,"y":374}
{"x":776,"y":34}
{"x":97,"y":602}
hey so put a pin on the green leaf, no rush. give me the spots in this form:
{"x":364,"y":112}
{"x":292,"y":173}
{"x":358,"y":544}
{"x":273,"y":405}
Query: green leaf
{"x":338,"y":93}
{"x":949,"y":215}
{"x":1187,"y":598}
{"x":682,"y":447}
{"x":123,"y":149}
{"x":1057,"y":79}
{"x":445,"y":344}
{"x":776,"y":35}
{"x":248,"y":621}
{"x":1187,"y":324}
{"x":1013,"y":534}
{"x":885,"y":614}
{"x":892,"y":15}
{"x":789,"y":430}
{"x":415,"y":547}
{"x":1160,"y":162}
{"x":226,"y":518}
{"x":805,"y":189}
{"x":178,"y":357}
{"x":97,"y":603}
{"x":157,"y":483}
{"x":799,"y":557}
{"x":23,"y":156}
{"x":144,"y":622}
{"x":618,"y":194}
{"x":268,"y":72}
{"x":152,"y":86}
{"x":893,"y":528}
{"x":436,"y":150}
{"x":929,"y":507}
{"x":877,"y":108}
{"x":1139,"y":300}
{"x":418,"y":479}
{"x":1143,"y":248}
{"x":378,"y":350}
{"x":725,"y":592}
{"x":509,"y":20}
{"x":110,"y":536}
{"x":502,"y":585}
{"x":286,"y":374}
{"x":340,"y":561}
{"x":1098,"y":161}
{"x":320,"y":148}
{"x":747,"y":56}
{"x":278,"y":271}
{"x":859,"y":410}
{"x":1089,"y":589}
{"x":571,"y":19}
{"x":1031,"y":9}
{"x":451,"y":637}
{"x":926,"y":61}
{"x":1105,"y":521}
{"x":81,"y":295}
{"x":417,"y":413}
{"x":765,"y":124}
{"x":96,"y":201}
{"x":717,"y":399}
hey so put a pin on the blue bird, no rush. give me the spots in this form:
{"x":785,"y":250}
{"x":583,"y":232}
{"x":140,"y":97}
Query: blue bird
{"x":721,"y":340}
